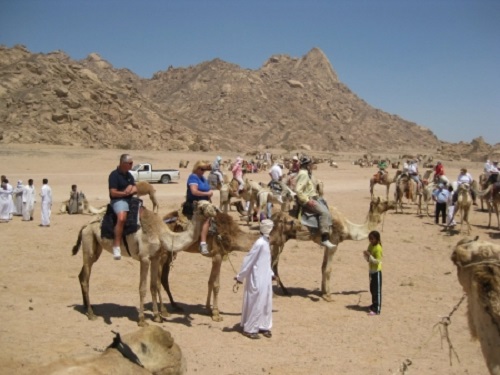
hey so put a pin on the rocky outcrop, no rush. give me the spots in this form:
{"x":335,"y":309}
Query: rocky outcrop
{"x":289,"y":103}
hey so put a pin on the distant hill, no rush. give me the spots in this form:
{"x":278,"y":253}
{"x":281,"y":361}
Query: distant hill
{"x":289,"y":103}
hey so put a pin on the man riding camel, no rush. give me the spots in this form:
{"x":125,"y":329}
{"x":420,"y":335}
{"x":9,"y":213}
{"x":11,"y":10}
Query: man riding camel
{"x":308,"y":198}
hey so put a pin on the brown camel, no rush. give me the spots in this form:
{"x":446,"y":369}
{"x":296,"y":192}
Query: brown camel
{"x":145,"y":188}
{"x":478,"y":271}
{"x":463,"y":205}
{"x":224,"y":236}
{"x":286,"y":227}
{"x":385,"y":180}
{"x":405,"y":188}
{"x":146,"y":245}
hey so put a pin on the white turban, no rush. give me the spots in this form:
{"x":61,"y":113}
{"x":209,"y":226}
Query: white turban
{"x":266,"y":226}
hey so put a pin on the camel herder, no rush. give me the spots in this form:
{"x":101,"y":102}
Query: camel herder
{"x":29,"y":194}
{"x":46,"y":194}
{"x":17,"y":196}
{"x":5,"y":201}
{"x":256,"y":315}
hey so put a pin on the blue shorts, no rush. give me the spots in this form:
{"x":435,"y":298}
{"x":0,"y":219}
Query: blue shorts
{"x":120,"y":206}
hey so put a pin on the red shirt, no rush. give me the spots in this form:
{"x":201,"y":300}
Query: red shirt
{"x":439,"y":170}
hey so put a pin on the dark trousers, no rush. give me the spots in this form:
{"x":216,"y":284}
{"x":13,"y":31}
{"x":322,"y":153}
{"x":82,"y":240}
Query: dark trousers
{"x":440,"y":209}
{"x":376,"y":291}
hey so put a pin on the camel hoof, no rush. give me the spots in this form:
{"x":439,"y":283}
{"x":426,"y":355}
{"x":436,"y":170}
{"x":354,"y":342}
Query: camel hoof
{"x":217,"y":318}
{"x":165,"y":314}
{"x":327,"y":298}
{"x":142,"y":323}
{"x":92,"y":317}
{"x":158,"y":319}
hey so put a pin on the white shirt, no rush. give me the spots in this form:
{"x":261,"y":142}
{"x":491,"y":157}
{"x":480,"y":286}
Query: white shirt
{"x":276,"y":172}
{"x":464,"y":178}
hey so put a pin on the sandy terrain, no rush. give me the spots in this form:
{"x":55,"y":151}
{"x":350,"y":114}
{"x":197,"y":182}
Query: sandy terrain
{"x":42,"y":320}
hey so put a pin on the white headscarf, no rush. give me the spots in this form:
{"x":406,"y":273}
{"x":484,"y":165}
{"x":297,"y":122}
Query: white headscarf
{"x":266,"y":226}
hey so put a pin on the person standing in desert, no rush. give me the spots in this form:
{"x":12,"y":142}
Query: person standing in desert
{"x":46,"y":194}
{"x":256,"y":316}
{"x":29,"y":194}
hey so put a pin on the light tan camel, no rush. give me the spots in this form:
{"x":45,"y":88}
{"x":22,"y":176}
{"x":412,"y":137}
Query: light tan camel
{"x":385,"y":180}
{"x":224,"y":236}
{"x":463,"y":205}
{"x":493,"y":204}
{"x":84,"y":207}
{"x":146,"y":245}
{"x":286,"y":227}
{"x":266,"y":196}
{"x":478,"y":271}
{"x":152,"y":347}
{"x":145,"y":188}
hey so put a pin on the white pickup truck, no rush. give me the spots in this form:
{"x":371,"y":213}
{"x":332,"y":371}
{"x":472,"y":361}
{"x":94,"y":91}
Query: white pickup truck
{"x":145,"y":172}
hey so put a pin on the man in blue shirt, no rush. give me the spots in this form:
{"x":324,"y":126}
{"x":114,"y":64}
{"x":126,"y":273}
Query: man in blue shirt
{"x":121,"y":189}
{"x":440,"y":196}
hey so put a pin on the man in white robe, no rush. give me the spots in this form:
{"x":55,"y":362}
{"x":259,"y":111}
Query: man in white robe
{"x":256,"y":316}
{"x":46,"y":194}
{"x":29,"y":194}
{"x":17,"y":195}
{"x":5,"y":201}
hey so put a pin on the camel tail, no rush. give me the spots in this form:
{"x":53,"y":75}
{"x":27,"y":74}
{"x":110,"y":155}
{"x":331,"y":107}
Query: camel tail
{"x":78,"y":242}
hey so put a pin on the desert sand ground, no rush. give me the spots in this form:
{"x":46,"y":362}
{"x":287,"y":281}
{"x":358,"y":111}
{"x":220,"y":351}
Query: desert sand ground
{"x":42,"y":319}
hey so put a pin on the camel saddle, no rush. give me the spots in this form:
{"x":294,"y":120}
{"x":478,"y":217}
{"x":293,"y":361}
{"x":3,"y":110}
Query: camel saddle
{"x":310,"y":219}
{"x":379,"y":177}
{"x":131,"y":224}
{"x":275,"y":187}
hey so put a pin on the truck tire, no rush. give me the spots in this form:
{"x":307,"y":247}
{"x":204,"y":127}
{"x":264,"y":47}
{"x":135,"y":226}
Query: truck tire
{"x":165,"y":179}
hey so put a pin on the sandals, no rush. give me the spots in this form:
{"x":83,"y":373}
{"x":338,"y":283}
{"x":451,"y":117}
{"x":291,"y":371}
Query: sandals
{"x":267,"y":334}
{"x":253,"y":336}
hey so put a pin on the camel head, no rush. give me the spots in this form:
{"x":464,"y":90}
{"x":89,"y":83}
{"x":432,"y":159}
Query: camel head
{"x":379,"y":205}
{"x":285,"y":227}
{"x":204,"y":209}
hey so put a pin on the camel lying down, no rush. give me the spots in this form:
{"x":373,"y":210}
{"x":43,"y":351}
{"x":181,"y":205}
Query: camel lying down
{"x":151,"y":350}
{"x":478,"y":271}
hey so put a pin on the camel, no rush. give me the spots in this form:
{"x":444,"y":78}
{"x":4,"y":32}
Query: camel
{"x":266,"y":196}
{"x":463,"y":205}
{"x":84,"y":207}
{"x":478,"y":271}
{"x":146,"y":245}
{"x":405,"y":187}
{"x":145,"y":188}
{"x":183,"y":163}
{"x":395,"y":165}
{"x":382,"y":180}
{"x":286,"y":227}
{"x":150,"y":350}
{"x":493,"y":205}
{"x":224,"y":237}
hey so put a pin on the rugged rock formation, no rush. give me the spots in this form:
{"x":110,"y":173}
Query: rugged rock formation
{"x":289,"y":103}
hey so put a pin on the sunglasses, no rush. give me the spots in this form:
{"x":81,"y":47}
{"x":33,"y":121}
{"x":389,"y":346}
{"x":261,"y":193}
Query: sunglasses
{"x":129,"y":162}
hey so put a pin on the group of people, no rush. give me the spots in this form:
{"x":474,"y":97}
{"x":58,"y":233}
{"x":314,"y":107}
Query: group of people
{"x":20,"y":201}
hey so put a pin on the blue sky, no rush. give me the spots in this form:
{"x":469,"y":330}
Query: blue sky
{"x":434,"y":62}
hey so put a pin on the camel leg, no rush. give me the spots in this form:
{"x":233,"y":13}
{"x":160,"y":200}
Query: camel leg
{"x":143,"y":290}
{"x":84,"y":277}
{"x":165,"y":271}
{"x":275,"y":254}
{"x":153,"y":287}
{"x":326,"y":271}
{"x":214,"y":286}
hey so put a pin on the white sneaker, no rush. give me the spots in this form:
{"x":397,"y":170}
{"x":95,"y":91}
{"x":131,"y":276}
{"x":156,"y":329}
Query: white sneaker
{"x":117,"y":254}
{"x":328,"y":245}
{"x":204,"y":249}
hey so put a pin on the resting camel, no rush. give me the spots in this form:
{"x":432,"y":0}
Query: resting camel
{"x":286,"y":227}
{"x":145,"y":188}
{"x":463,"y":205}
{"x":83,"y":207}
{"x":493,"y":205}
{"x":385,"y":180}
{"x":478,"y":271}
{"x":146,"y":245}
{"x":225,"y":236}
{"x":152,"y":347}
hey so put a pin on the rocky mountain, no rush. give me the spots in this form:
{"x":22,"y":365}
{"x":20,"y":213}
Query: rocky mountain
{"x":289,"y":103}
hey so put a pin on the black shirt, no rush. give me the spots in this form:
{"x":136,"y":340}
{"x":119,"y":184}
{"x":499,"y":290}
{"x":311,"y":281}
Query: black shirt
{"x":120,"y":181}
